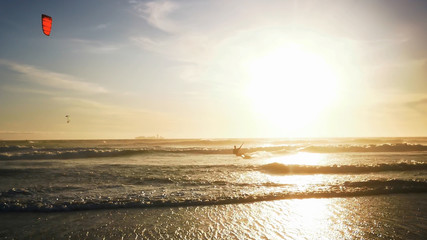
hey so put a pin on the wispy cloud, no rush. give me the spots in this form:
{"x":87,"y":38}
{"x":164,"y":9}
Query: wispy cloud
{"x":112,"y":115}
{"x":81,"y":102}
{"x":192,"y":51}
{"x":101,"y":26}
{"x":419,"y":105}
{"x":95,"y":107}
{"x":156,"y":13}
{"x":28,"y":90}
{"x":186,"y":48}
{"x":95,"y":46}
{"x":52,"y":79}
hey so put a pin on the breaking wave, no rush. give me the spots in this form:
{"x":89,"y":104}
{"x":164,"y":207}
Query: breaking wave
{"x":348,"y":189}
{"x":278,"y":168}
{"x":398,"y":147}
{"x":70,"y":153}
{"x":30,"y":152}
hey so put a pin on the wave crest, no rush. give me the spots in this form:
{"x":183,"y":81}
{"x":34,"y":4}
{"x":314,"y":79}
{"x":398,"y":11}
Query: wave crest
{"x":398,"y":147}
{"x":348,"y":189}
{"x":30,"y":152}
{"x":278,"y":168}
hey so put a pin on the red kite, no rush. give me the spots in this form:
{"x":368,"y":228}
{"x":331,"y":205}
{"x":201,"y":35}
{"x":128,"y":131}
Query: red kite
{"x":46,"y":24}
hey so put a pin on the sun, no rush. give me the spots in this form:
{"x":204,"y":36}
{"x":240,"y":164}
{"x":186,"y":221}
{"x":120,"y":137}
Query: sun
{"x":291,"y":86}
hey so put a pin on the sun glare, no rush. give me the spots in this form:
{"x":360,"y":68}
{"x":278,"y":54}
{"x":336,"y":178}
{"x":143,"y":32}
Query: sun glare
{"x":290,"y":86}
{"x":301,"y":158}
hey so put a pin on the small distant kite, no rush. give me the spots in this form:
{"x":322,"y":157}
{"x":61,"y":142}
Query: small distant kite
{"x":46,"y":24}
{"x":68,"y":118}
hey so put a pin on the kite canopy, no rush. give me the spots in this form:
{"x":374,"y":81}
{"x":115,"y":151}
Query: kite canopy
{"x":46,"y":24}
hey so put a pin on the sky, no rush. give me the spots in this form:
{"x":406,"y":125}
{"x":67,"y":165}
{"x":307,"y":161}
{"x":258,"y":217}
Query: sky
{"x":213,"y":69}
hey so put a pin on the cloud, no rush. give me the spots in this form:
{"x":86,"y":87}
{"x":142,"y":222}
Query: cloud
{"x":53,"y":79}
{"x":95,"y":46}
{"x":93,"y":115}
{"x":192,"y":52}
{"x":98,"y":108}
{"x":28,"y":90}
{"x":101,"y":26}
{"x":419,"y":105}
{"x":185,"y":48}
{"x":156,"y":13}
{"x":86,"y":103}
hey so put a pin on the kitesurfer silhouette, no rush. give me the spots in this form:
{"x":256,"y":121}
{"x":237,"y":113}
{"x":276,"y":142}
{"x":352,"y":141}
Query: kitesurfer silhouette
{"x":236,"y":150}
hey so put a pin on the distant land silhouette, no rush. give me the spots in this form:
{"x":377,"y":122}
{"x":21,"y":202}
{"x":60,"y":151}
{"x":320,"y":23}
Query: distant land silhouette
{"x":150,"y":137}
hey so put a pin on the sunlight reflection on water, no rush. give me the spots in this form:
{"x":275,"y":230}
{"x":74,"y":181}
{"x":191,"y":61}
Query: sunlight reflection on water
{"x":372,"y":217}
{"x":300,"y":158}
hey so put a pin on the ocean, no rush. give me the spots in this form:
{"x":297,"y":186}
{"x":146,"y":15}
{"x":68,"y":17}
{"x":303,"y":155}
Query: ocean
{"x":345,"y":188}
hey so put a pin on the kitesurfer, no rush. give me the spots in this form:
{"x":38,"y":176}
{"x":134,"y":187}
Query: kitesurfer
{"x":236,"y":150}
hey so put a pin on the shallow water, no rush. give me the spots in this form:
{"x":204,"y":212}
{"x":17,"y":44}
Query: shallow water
{"x":399,"y":216}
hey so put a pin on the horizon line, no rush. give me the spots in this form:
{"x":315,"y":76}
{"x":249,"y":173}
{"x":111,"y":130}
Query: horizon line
{"x":204,"y":138}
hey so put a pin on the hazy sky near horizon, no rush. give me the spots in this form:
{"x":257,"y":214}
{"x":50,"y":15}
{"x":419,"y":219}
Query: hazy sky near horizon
{"x":213,"y":69}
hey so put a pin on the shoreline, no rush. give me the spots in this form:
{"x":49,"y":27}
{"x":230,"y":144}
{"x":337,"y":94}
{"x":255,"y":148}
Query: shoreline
{"x":332,"y":218}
